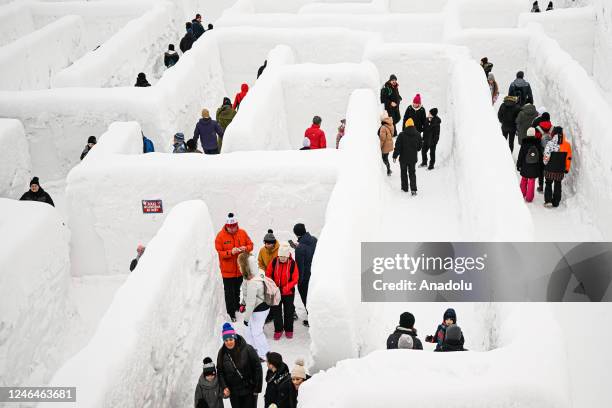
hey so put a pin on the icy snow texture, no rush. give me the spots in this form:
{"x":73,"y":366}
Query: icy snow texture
{"x":35,"y":298}
{"x":15,"y":21}
{"x":15,"y":166}
{"x":142,"y":352}
{"x":33,"y":59}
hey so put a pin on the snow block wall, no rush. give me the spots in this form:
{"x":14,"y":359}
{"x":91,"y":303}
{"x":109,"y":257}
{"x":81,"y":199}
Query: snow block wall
{"x":31,"y":61}
{"x":138,"y":47}
{"x":15,"y":21}
{"x":15,"y":165}
{"x":146,"y":342}
{"x":35,"y":297}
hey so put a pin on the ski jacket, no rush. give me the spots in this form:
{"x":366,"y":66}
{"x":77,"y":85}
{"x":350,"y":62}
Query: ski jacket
{"x":224,"y":244}
{"x":304,"y":252}
{"x":208,"y":394}
{"x":522,"y":90}
{"x":530,"y":170}
{"x":85,"y":151}
{"x":393,"y":339}
{"x":147,"y":145}
{"x":197,"y":28}
{"x":244,"y":90}
{"x":417,"y":115}
{"x":280,"y":389}
{"x":524,"y":120}
{"x":41,"y":195}
{"x":385,"y":134}
{"x":207,"y":130}
{"x":170,"y":58}
{"x":187,"y":42}
{"x":225,"y":115}
{"x":407,"y":145}
{"x":431,"y":132}
{"x":285,"y":275}
{"x":316,"y":136}
{"x":266,"y":256}
{"x":508,"y":112}
{"x":558,"y":156}
{"x":239,"y":369}
{"x":388,"y":94}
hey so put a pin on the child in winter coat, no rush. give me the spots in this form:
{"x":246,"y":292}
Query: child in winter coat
{"x":208,"y":393}
{"x":385,"y":134}
{"x":179,"y":145}
{"x":431,"y":136}
{"x":529,"y":164}
{"x":557,"y":163}
{"x":283,"y":270}
{"x":340,"y":134}
{"x":450,"y":318}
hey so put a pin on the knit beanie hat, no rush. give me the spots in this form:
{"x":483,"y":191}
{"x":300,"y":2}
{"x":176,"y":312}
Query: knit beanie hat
{"x":231,"y":220}
{"x":406,"y":320}
{"x":417,"y":99}
{"x":546,"y":116}
{"x":299,"y":229}
{"x":227,"y":101}
{"x":284,"y":249}
{"x":35,"y":181}
{"x":179,"y":136}
{"x":298,"y":370}
{"x":450,"y":314}
{"x":91,"y":139}
{"x":228,"y":332}
{"x":434,"y":111}
{"x":209,"y":367}
{"x":409,"y":122}
{"x":392,"y":77}
{"x":269,"y":238}
{"x":405,"y":342}
{"x":275,"y":359}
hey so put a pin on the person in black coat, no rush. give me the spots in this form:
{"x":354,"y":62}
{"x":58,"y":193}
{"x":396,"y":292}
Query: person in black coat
{"x":507,"y":114}
{"x":279,"y":389}
{"x":91,"y":142}
{"x":304,"y":252}
{"x":171,"y":57}
{"x":416,"y":112}
{"x":196,"y":27}
{"x":530,"y":164}
{"x":406,"y":326}
{"x":187,"y":40}
{"x":407,"y":148}
{"x":431,"y":137}
{"x":521,"y":89}
{"x":391,"y":98}
{"x":141,"y":81}
{"x":36,"y":193}
{"x":239,"y":370}
{"x":453,"y":340}
{"x":262,"y":69}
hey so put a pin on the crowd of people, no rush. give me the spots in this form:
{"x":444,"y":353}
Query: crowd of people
{"x":448,"y":336}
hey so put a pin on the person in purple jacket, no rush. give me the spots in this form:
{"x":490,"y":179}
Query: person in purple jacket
{"x":207,"y":130}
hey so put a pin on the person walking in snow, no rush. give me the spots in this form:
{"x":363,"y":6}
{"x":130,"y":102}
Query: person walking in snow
{"x":188,"y":39}
{"x":431,"y":137}
{"x":391,"y":99}
{"x":536,"y":7}
{"x":507,"y":116}
{"x":340,"y":134}
{"x":407,"y":147}
{"x":416,"y":112}
{"x":487,"y":66}
{"x":453,"y":340}
{"x":36,"y":193}
{"x":543,"y":128}
{"x":557,"y":163}
{"x":141,"y":81}
{"x":493,"y":87}
{"x":171,"y":57}
{"x":262,"y":69}
{"x":253,"y":306}
{"x":529,"y":164}
{"x":450,"y":318}
{"x":521,"y":89}
{"x":197,"y":27}
{"x":285,"y":273}
{"x":208,"y":393}
{"x":239,"y":370}
{"x":316,"y":134}
{"x":304,"y":254}
{"x":225,"y":116}
{"x":207,"y":130}
{"x":139,"y":252}
{"x":229,"y":243}
{"x":279,"y":389}
{"x":523,"y":122}
{"x":406,"y":327}
{"x":91,"y":142}
{"x":385,"y":134}
{"x":179,"y":146}
{"x":550,"y":6}
{"x":244,"y":90}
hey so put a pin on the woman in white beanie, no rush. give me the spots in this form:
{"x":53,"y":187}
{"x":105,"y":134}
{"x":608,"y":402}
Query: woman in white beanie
{"x":298,"y":376}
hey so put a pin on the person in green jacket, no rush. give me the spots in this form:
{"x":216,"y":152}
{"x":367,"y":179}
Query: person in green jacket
{"x":225,"y":115}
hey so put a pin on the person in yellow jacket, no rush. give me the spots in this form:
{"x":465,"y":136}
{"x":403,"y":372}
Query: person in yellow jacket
{"x":269,"y":250}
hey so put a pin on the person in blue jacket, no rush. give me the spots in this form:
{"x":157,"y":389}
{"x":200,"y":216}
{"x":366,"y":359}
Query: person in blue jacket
{"x":207,"y":131}
{"x":147,"y":144}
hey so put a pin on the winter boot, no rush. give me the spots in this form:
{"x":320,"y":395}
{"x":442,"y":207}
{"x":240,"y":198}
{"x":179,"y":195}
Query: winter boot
{"x":289,"y":335}
{"x":431,"y":167}
{"x":414,"y":193}
{"x":423,"y":165}
{"x":278,"y":335}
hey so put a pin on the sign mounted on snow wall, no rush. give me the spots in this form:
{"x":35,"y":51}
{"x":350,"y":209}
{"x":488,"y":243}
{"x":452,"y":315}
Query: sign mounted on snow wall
{"x":152,"y":207}
{"x":486,"y":272}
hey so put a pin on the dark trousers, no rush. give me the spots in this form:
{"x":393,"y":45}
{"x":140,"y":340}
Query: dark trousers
{"x":509,"y":134}
{"x":243,"y":401}
{"x":283,"y":314}
{"x":231,"y":287}
{"x":408,"y":172}
{"x":541,"y":181}
{"x":211,"y":151}
{"x":385,"y":158}
{"x":552,"y":194}
{"x":303,"y":290}
{"x":431,"y":147}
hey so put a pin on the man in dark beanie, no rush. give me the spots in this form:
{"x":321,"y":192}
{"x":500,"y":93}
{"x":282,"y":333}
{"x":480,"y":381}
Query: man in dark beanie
{"x":406,"y":326}
{"x":280,"y":390}
{"x":36,"y":193}
{"x":304,"y":252}
{"x":91,"y":142}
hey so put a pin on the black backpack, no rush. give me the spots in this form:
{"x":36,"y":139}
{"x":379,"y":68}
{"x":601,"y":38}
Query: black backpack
{"x":533,"y":155}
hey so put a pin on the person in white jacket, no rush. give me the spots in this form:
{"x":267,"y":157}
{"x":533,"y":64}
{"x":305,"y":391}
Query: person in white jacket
{"x":253,"y":305}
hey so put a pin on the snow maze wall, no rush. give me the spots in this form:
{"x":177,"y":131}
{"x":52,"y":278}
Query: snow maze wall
{"x":268,"y":183}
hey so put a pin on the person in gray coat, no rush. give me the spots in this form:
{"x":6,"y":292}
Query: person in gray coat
{"x":208,"y":393}
{"x":524,"y":120}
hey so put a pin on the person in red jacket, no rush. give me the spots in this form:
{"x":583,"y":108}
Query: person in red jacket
{"x":316,"y":135}
{"x":284,"y":272}
{"x":244,"y":89}
{"x":230,"y":242}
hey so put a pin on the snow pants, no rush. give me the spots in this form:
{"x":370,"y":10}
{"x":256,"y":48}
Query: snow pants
{"x":231,"y":287}
{"x":552,"y":194}
{"x":408,"y":172}
{"x":528,"y":188}
{"x":283,"y":314}
{"x":243,"y":401}
{"x":254,"y":334}
{"x":509,"y":134}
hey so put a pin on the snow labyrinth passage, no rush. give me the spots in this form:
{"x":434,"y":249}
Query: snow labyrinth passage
{"x":144,"y":348}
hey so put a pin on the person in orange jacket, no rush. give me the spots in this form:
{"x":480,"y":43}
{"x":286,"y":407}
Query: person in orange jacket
{"x":283,"y":270}
{"x":557,"y":163}
{"x":230,"y":242}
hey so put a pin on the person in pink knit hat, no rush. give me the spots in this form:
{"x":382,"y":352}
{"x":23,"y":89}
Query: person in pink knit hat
{"x":417,"y":113}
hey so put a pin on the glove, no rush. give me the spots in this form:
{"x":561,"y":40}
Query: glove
{"x":242,"y":308}
{"x":246,"y":323}
{"x":429,"y":339}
